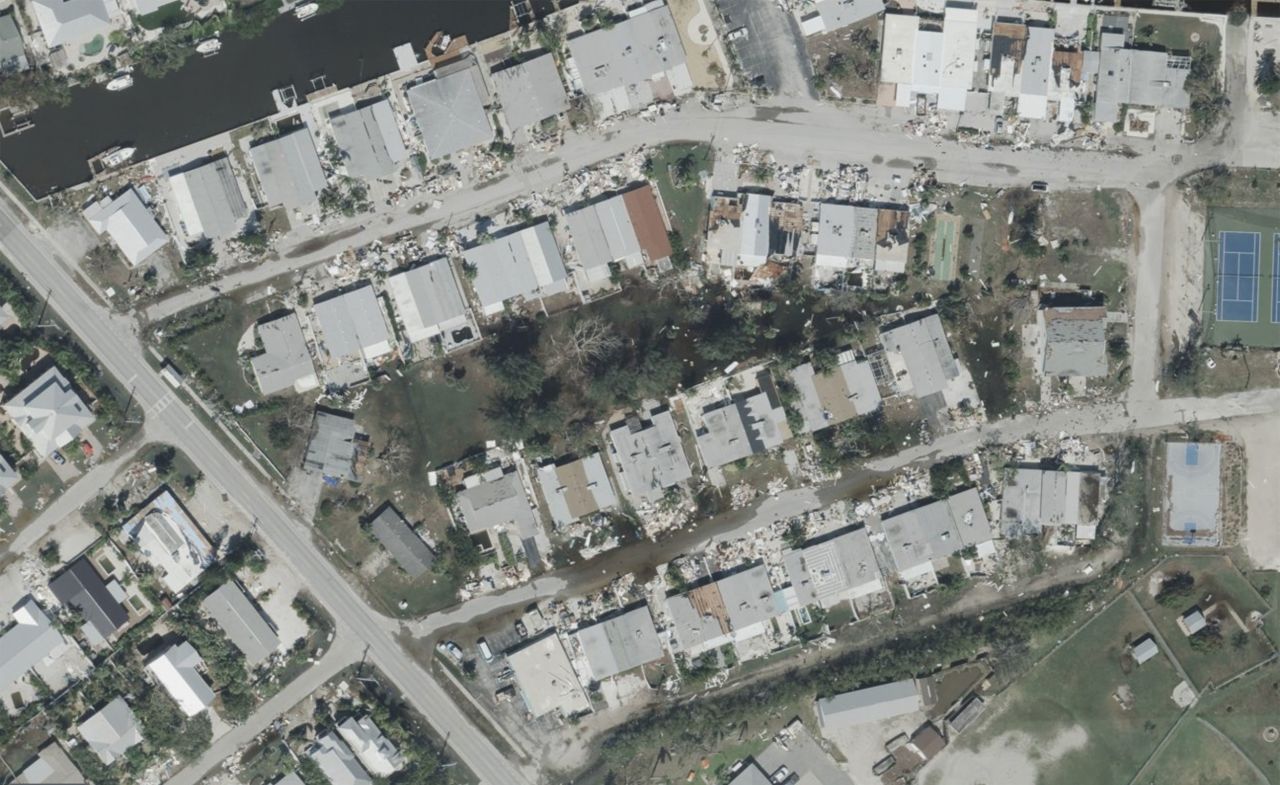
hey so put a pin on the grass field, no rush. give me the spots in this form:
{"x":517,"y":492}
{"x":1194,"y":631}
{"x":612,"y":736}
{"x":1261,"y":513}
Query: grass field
{"x":1069,"y":695}
{"x":687,"y":206}
{"x":943,"y":247}
{"x":1176,"y":33}
{"x":1196,"y":755}
{"x":211,"y":349}
{"x":1244,"y":710}
{"x":1263,"y":332}
{"x":1217,"y":578}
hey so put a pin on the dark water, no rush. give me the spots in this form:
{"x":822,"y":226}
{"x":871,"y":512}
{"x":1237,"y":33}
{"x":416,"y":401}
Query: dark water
{"x":211,"y":95}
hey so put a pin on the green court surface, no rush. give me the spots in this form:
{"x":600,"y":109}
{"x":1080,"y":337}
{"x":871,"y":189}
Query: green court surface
{"x":944,"y":248}
{"x":1258,"y":280}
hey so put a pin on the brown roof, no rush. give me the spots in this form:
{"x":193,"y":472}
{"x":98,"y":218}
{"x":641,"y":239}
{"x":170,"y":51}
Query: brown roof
{"x":1084,"y":314}
{"x":1073,"y":59}
{"x":707,"y":601}
{"x":928,"y":740}
{"x":577,"y":496}
{"x":1015,"y":30}
{"x":651,"y":228}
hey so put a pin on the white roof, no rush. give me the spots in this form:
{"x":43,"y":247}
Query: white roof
{"x":871,"y":704}
{"x":525,"y":263}
{"x":637,"y":61}
{"x":352,"y":326}
{"x":170,"y":541}
{"x":73,"y":23}
{"x":546,"y":677}
{"x":374,"y":749}
{"x":753,"y":249}
{"x":449,"y":109}
{"x":619,"y":643}
{"x":1039,"y":497}
{"x":49,"y":412}
{"x":898,"y":57}
{"x":369,"y":137}
{"x":923,"y":347}
{"x":130,"y":225}
{"x":177,"y":670}
{"x":834,"y":569}
{"x":531,"y":91}
{"x":29,"y":641}
{"x":289,"y":169}
{"x":428,"y":300}
{"x":959,"y":49}
{"x":285,"y":362}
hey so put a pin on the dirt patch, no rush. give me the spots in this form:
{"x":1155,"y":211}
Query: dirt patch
{"x":846,"y":62}
{"x":1017,"y":756}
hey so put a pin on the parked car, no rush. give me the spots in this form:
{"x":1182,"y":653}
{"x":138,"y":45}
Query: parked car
{"x":521,"y":630}
{"x":1039,"y":186}
{"x":485,"y":651}
{"x":57,"y":457}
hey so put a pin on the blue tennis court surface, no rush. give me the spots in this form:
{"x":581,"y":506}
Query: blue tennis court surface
{"x":1238,"y":256}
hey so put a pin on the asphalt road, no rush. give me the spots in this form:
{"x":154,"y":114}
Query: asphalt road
{"x":113,"y":340}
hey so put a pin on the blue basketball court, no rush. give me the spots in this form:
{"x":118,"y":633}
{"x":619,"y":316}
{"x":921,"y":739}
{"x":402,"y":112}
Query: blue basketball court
{"x":1238,"y":260}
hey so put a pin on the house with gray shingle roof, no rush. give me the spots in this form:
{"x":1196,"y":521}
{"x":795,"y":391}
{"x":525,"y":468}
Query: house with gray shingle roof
{"x":243,"y":621}
{"x":111,"y":731}
{"x":369,"y":139}
{"x":409,"y":550}
{"x":449,"y":109}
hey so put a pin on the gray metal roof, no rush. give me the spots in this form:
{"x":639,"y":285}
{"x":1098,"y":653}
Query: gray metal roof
{"x":285,"y":359}
{"x":841,"y":13}
{"x":1137,"y":76}
{"x":498,"y":500}
{"x":846,"y":235}
{"x":1144,"y":649}
{"x":834,"y":569}
{"x":525,"y":263}
{"x":370,"y":138}
{"x":602,"y":233}
{"x":405,"y":546}
{"x":620,"y":643}
{"x":749,"y":598}
{"x":378,"y":754}
{"x":926,"y":352}
{"x":1194,"y":476}
{"x":871,"y":704}
{"x":25,"y":644}
{"x":450,"y":110}
{"x":13,"y":51}
{"x":129,"y":224}
{"x":243,"y":622}
{"x":933,"y":532}
{"x":289,"y":170}
{"x":647,"y":446}
{"x":746,"y":424}
{"x":530,"y":92}
{"x":71,"y":22}
{"x":331,"y":450}
{"x":625,"y":58}
{"x":576,"y":488}
{"x":1075,"y":341}
{"x":52,"y":766}
{"x":428,"y":299}
{"x":214,"y":194}
{"x":352,"y":326}
{"x":47,"y":409}
{"x":9,"y":476}
{"x":80,"y":587}
{"x":111,"y":731}
{"x":338,"y":762}
{"x":1034,"y":498}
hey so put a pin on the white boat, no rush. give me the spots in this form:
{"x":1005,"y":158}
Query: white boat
{"x":209,"y":46}
{"x":121,"y":82}
{"x":306,"y":10}
{"x":118,"y":157}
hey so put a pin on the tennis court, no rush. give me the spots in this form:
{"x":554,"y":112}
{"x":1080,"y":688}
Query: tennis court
{"x":944,"y":247}
{"x":1238,"y":255}
{"x":1241,"y":290}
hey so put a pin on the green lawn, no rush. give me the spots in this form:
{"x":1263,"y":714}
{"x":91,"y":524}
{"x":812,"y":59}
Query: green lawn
{"x":1198,"y":756}
{"x":168,"y":15}
{"x":210,"y":348}
{"x":1215,"y":576}
{"x":37,"y":491}
{"x":1243,"y":710}
{"x":686,"y":206}
{"x":1074,"y":687}
{"x":1175,"y":32}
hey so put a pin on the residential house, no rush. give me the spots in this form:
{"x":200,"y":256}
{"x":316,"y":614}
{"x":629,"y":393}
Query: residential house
{"x":530,"y":92}
{"x":1193,"y":477}
{"x":1036,"y":499}
{"x":871,"y":704}
{"x":619,"y":642}
{"x":575,"y":488}
{"x":374,"y":750}
{"x":29,"y":645}
{"x":829,"y":15}
{"x":494,"y":501}
{"x":13,"y":50}
{"x":546,"y":679}
{"x":331,"y":452}
{"x":1036,"y":73}
{"x":648,"y":453}
{"x":523,"y":263}
{"x":1192,"y":621}
{"x":742,"y":425}
{"x":177,"y":669}
{"x":1144,"y":649}
{"x":369,"y":138}
{"x":243,"y":622}
{"x":825,"y":399}
{"x":835,"y":568}
{"x":166,"y":536}
{"x":210,"y":199}
{"x":49,"y":412}
{"x":289,"y":170}
{"x":111,"y":731}
{"x":626,"y":229}
{"x":285,"y":362}
{"x":925,"y":65}
{"x":429,"y":301}
{"x":1075,"y":341}
{"x":924,"y":537}
{"x":1129,"y":76}
{"x":353,"y":332}
{"x":450,"y":109}
{"x":99,"y":601}
{"x":338,"y":763}
{"x":130,"y":225}
{"x":409,"y":551}
{"x":860,"y":237}
{"x":73,"y":24}
{"x":732,"y":609}
{"x":632,"y":64}
{"x":51,"y":766}
{"x":923,"y":365}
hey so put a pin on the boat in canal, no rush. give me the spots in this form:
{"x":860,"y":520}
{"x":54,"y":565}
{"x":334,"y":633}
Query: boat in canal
{"x":120,"y":82}
{"x":306,"y":11}
{"x":113,"y":158}
{"x":209,"y":47}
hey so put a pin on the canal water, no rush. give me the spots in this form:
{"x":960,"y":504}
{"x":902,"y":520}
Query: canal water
{"x":211,"y":95}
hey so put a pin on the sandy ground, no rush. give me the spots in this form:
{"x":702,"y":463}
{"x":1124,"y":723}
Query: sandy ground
{"x":1261,"y":438}
{"x":701,"y":42}
{"x":1010,"y":759}
{"x":863,"y":745}
{"x":1184,"y":266}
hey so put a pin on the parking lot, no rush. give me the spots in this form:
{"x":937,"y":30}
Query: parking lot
{"x":772,"y":49}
